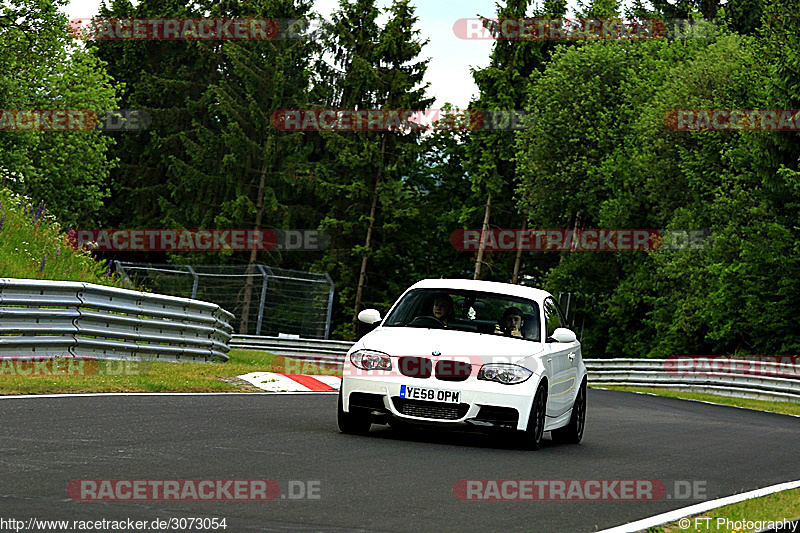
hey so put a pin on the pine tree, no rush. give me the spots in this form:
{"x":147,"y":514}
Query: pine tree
{"x":377,"y":68}
{"x":166,"y":79}
{"x":238,"y":170}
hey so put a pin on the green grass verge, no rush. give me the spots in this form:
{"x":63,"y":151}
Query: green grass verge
{"x":775,"y":507}
{"x":778,"y":506}
{"x":131,"y":376}
{"x":786,"y":408}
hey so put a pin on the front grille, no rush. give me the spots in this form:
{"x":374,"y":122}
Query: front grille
{"x":448,"y":370}
{"x":415,"y":367}
{"x":432,"y":410}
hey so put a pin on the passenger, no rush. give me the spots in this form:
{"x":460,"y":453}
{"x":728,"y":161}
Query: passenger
{"x":511,"y":323}
{"x":443,"y":308}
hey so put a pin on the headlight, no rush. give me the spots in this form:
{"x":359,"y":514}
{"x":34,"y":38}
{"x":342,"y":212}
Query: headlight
{"x":371,"y":360}
{"x":506,"y":374}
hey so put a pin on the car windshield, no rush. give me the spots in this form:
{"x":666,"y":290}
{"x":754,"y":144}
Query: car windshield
{"x":476,"y":312}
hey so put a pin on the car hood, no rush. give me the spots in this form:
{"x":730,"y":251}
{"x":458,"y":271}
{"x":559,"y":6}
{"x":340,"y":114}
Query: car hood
{"x":399,"y":341}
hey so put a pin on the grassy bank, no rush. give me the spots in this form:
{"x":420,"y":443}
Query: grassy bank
{"x":133,"y":376}
{"x":34,"y":246}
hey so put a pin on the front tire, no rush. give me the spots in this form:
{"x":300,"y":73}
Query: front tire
{"x":532,"y":436}
{"x":354,"y":422}
{"x":572,"y":433}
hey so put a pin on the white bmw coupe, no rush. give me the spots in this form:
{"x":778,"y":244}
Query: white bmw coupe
{"x":467,"y":353}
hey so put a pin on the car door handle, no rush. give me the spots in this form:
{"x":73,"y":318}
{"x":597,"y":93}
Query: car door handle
{"x":549,"y":359}
{"x":571,"y":356}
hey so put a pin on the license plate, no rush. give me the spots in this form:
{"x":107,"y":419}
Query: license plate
{"x":431,"y":395}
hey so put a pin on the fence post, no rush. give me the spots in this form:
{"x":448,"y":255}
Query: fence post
{"x":196,"y":279}
{"x":330,"y":307}
{"x":263,"y":299}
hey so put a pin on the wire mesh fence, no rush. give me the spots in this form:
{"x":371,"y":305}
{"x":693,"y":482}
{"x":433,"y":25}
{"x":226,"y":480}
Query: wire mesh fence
{"x":265,"y":300}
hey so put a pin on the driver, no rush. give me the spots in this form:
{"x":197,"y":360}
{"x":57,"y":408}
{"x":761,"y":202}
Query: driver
{"x":511,"y":323}
{"x":443,"y":308}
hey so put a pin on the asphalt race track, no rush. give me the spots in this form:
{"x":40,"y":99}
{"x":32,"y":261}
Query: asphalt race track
{"x":387,"y":481}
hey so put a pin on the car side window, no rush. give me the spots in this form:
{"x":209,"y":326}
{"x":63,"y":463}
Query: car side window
{"x":552,"y":317}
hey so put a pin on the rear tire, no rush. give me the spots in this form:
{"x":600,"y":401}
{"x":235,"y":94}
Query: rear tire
{"x":572,"y":433}
{"x":354,"y":422}
{"x":532,"y":436}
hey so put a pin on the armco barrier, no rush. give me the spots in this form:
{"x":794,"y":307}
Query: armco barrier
{"x":652,"y":373}
{"x":609,"y":372}
{"x":312,"y":349}
{"x":62,"y":318}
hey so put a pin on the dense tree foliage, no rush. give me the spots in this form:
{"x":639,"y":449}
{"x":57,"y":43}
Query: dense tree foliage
{"x":600,"y":148}
{"x":42,"y":67}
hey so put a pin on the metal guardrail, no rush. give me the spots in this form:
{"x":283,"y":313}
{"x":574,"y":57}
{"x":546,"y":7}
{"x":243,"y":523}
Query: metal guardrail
{"x":610,"y":372}
{"x":312,"y":349}
{"x":767,"y":381}
{"x":62,"y":318}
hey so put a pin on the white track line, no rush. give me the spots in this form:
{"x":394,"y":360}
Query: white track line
{"x":700,"y":508}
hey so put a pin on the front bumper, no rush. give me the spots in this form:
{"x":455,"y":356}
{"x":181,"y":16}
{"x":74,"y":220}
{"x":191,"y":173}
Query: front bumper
{"x":481,"y":403}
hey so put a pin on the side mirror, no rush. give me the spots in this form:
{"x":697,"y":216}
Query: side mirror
{"x":371,"y":316}
{"x":564,"y":335}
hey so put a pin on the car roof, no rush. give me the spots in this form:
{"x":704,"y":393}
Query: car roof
{"x":507,"y":289}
